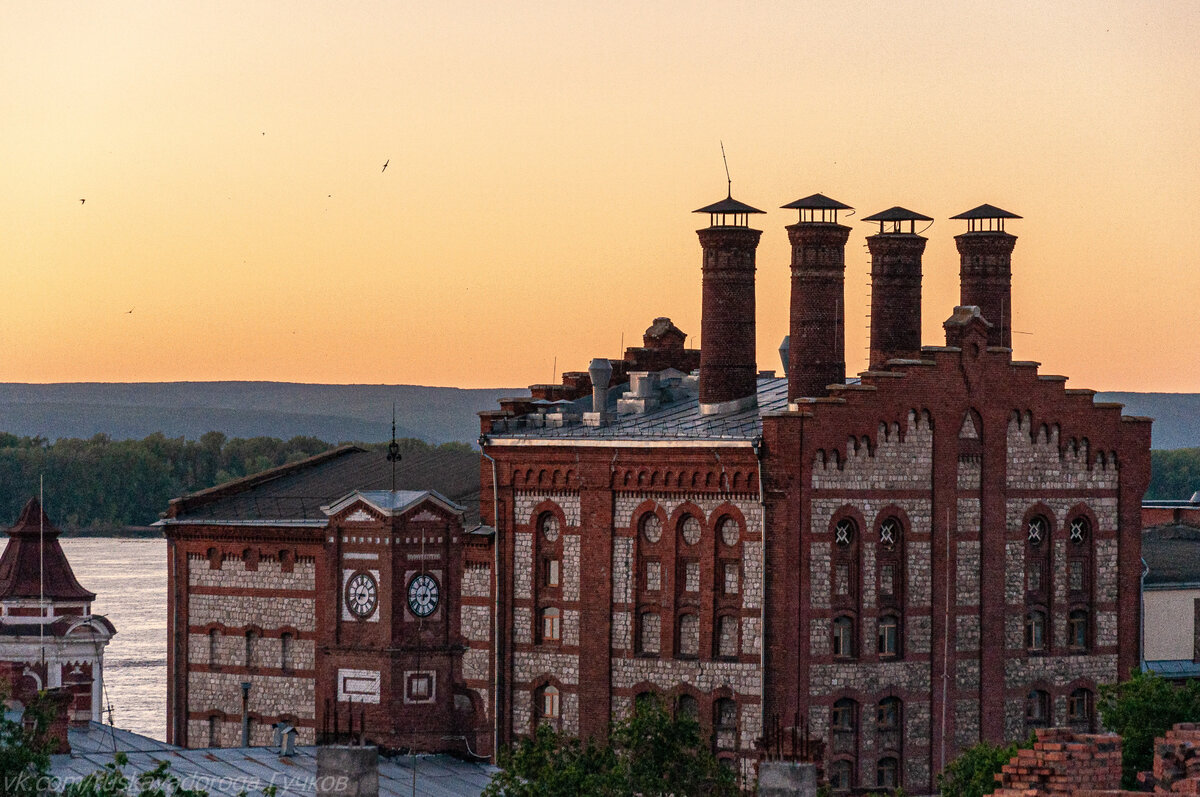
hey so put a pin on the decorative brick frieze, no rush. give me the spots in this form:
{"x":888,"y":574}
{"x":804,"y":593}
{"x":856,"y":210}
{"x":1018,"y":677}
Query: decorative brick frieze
{"x":265,"y":612}
{"x":823,"y":510}
{"x":1037,"y":461}
{"x":1104,"y":507}
{"x":229,"y":650}
{"x":886,"y":463}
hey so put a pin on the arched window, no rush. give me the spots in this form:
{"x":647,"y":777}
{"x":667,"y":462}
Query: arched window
{"x":1037,"y":530}
{"x":1035,"y":631}
{"x":1080,"y":530}
{"x":729,"y":531}
{"x":650,"y":638}
{"x":214,"y":647}
{"x":1079,"y":708}
{"x":1037,"y":708}
{"x":843,"y":722}
{"x":687,"y":706}
{"x":889,"y":533}
{"x":1077,"y":630}
{"x":889,"y":636}
{"x":549,"y":526}
{"x":843,"y":532}
{"x":251,"y":643}
{"x":727,"y":636}
{"x":841,"y":775}
{"x":843,"y":637}
{"x":285,"y":651}
{"x":887,"y":773}
{"x":725,"y":716}
{"x":689,"y":635}
{"x":548,"y":703}
{"x":551,"y":625}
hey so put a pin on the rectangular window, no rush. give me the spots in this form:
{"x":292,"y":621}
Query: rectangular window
{"x":888,"y":636}
{"x":691,"y":577}
{"x":551,"y":625}
{"x":731,"y":578}
{"x":551,"y":571}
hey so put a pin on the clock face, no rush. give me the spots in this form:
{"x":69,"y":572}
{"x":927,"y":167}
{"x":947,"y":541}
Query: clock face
{"x":362,"y":595}
{"x":422,"y":595}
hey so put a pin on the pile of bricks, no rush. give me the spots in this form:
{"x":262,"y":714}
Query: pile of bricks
{"x":1176,"y":761}
{"x":1063,"y":763}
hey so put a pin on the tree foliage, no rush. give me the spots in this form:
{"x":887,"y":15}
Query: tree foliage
{"x":651,"y":753}
{"x":103,"y":485}
{"x":1142,"y":709}
{"x":973,"y":772}
{"x":1174,"y":475}
{"x":24,"y":761}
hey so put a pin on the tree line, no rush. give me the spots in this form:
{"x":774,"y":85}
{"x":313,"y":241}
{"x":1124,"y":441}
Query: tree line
{"x":100,"y":485}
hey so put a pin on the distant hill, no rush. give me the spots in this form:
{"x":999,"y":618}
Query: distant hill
{"x":245,"y":409}
{"x":352,"y":412}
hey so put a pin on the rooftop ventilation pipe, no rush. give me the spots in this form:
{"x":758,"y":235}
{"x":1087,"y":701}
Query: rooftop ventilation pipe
{"x":600,"y":370}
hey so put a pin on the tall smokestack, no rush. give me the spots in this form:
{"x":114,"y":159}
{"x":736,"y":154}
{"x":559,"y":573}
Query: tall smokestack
{"x":985,"y":273}
{"x":817,"y":335}
{"x":895,"y":286}
{"x":728,"y":369}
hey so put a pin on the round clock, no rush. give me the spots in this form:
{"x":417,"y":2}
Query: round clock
{"x":362,"y":595}
{"x":422,"y":595}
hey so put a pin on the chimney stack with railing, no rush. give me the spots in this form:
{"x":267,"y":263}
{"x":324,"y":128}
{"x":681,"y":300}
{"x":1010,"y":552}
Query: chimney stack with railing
{"x":895,"y":286}
{"x":816,"y":355}
{"x":728,"y":369}
{"x":985,"y":273}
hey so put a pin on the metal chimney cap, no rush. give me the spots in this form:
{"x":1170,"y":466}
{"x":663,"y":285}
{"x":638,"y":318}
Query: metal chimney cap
{"x":817,"y":202}
{"x":728,"y":205}
{"x":897,"y":213}
{"x":600,"y":370}
{"x":986,"y":211}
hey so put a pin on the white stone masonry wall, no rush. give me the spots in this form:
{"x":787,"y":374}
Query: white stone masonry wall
{"x":269,"y":575}
{"x":885,"y":463}
{"x":1036,"y":462}
{"x":263,"y":611}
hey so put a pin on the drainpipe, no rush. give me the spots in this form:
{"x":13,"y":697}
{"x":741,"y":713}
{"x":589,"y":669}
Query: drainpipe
{"x":1142,"y":616}
{"x":760,"y":453}
{"x":496,"y":603}
{"x":245,"y":713}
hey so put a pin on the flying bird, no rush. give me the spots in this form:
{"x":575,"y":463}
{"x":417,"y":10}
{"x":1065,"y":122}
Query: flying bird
{"x":82,"y":201}
{"x":385,"y":163}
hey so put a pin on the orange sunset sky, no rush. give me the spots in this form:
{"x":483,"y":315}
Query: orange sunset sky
{"x":543,"y":162}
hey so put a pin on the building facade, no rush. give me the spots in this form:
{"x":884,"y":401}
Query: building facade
{"x":940,"y":551}
{"x":318,"y":597}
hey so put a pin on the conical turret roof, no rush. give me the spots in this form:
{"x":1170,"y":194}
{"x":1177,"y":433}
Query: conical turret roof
{"x":32,"y":549}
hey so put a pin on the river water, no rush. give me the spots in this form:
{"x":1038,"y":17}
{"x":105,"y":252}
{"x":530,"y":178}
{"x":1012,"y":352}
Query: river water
{"x":129,"y":577}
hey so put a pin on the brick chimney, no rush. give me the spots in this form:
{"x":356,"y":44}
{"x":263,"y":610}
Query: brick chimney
{"x":728,"y":369}
{"x":985,"y":273}
{"x":816,"y":334}
{"x":895,"y":286}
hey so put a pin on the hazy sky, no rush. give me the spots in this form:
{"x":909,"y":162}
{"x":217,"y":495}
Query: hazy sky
{"x":543,"y":162}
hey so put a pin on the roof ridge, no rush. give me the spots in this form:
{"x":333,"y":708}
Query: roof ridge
{"x":208,"y":495}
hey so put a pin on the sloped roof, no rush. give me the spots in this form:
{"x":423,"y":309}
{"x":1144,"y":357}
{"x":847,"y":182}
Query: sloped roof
{"x":34,"y":564}
{"x":299,"y":490}
{"x":1172,"y":553}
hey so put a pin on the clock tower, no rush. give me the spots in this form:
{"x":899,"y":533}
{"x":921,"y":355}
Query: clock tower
{"x":391,"y":649}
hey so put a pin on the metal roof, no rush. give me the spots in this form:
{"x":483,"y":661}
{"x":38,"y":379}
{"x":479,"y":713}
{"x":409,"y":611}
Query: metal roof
{"x":1174,"y":668}
{"x":897,"y":214}
{"x":1173,"y":555}
{"x":228,"y":771}
{"x":986,"y":211}
{"x":680,"y":420}
{"x":728,"y":205}
{"x":817,"y":202}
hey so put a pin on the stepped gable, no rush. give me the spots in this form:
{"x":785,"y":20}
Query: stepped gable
{"x":295,"y":492}
{"x":857,"y":417}
{"x":27,"y":555}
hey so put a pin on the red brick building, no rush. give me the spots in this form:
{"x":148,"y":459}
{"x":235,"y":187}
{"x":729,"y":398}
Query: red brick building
{"x":334,"y":587}
{"x":942,"y":550}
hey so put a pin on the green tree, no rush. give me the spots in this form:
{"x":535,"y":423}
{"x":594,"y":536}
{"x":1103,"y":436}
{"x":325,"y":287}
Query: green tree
{"x":651,"y":754}
{"x":973,"y":772}
{"x":1142,"y":709}
{"x":24,"y":762}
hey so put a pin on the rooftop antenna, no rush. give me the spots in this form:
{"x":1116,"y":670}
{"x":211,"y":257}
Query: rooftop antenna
{"x":42,"y":573}
{"x":393,"y":449}
{"x":728,"y":179}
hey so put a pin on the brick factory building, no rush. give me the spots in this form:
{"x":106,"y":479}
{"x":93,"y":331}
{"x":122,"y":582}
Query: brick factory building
{"x":942,"y":550}
{"x":345,"y":585}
